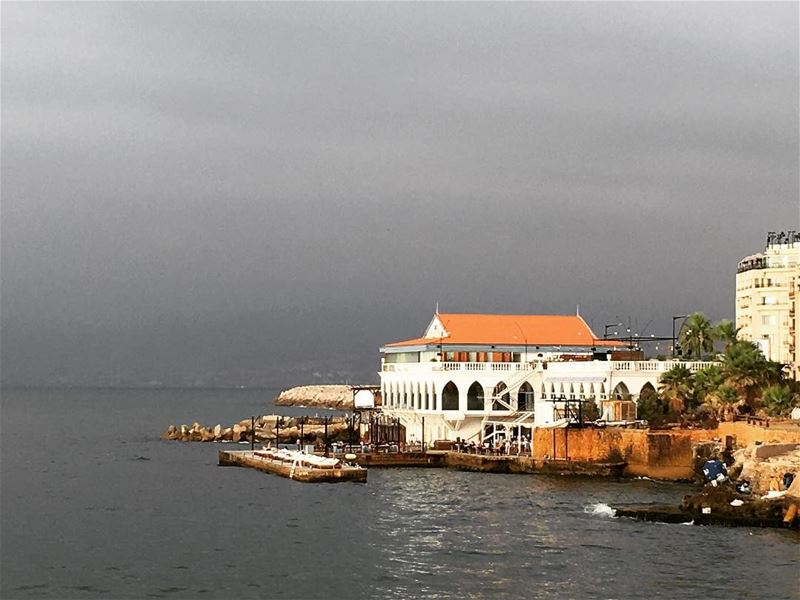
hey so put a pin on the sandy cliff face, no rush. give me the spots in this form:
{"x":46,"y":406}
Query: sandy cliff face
{"x":322,"y":396}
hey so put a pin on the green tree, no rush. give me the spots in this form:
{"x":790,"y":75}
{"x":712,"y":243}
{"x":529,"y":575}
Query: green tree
{"x":677,"y":387}
{"x":590,"y":410}
{"x":779,"y":400}
{"x":651,"y":407}
{"x":722,"y":400}
{"x":697,"y":336}
{"x":707,"y":381}
{"x":726,"y":332}
{"x":748,"y":371}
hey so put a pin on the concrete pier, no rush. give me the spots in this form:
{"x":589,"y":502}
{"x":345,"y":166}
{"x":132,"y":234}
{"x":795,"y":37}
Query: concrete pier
{"x":483,"y":463}
{"x":248,"y":458}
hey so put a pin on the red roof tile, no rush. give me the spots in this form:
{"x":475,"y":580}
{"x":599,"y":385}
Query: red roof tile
{"x":512,"y":330}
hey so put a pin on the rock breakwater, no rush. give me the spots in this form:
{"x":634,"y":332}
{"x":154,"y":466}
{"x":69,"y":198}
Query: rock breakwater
{"x":313,"y":430}
{"x":318,"y":396}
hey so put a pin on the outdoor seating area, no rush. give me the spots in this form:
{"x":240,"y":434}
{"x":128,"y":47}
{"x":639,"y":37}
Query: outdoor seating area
{"x":500,"y":447}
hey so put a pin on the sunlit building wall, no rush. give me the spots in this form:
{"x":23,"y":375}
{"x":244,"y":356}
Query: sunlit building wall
{"x":767,"y":289}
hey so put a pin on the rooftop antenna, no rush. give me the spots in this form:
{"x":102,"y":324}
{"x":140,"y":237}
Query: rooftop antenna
{"x":437,"y":307}
{"x":577,"y":310}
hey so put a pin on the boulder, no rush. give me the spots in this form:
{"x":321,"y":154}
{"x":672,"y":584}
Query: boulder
{"x":760,"y":464}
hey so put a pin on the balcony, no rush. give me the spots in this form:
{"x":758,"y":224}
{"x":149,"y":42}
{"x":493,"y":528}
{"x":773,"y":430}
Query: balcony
{"x":456,"y":366}
{"x":634,"y":366}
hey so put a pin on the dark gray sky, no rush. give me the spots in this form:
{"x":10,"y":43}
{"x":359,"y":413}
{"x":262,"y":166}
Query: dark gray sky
{"x":221,"y":192}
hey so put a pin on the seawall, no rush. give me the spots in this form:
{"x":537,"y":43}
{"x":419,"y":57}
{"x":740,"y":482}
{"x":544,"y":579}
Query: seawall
{"x":658,"y":454}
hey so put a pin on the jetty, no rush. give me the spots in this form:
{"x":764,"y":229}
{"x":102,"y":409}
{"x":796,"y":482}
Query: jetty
{"x":299,"y":466}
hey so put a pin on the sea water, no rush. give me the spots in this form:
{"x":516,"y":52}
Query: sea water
{"x":95,"y":505}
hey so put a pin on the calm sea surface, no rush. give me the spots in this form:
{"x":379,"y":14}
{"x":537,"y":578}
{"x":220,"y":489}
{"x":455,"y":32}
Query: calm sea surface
{"x":94,"y":505}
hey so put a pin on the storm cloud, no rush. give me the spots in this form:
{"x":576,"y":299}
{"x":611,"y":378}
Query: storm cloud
{"x":263,"y":193}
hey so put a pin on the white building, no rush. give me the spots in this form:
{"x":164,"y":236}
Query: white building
{"x":767,"y":290}
{"x":473,"y":375}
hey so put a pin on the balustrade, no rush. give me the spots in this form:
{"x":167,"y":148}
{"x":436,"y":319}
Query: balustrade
{"x":633,"y":366}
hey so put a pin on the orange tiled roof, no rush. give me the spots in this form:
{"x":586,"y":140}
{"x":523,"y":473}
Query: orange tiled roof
{"x":512,"y":330}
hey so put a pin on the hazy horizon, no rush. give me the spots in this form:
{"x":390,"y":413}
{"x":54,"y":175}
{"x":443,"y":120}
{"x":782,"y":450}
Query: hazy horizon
{"x":264,"y":193}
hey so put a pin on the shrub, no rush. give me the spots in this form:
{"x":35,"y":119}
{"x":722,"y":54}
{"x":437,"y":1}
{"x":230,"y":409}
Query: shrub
{"x":651,"y":407}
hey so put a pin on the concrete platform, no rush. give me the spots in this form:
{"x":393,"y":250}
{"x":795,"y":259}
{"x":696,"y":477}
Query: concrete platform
{"x":248,"y":458}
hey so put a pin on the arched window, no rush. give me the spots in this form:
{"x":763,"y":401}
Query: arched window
{"x":475,"y":397}
{"x":525,"y":397}
{"x":581,"y":392}
{"x":647,"y":389}
{"x":450,"y":396}
{"x":501,"y":391}
{"x":621,"y":392}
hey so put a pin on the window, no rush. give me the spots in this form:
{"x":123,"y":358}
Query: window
{"x":450,"y":396}
{"x":475,"y":397}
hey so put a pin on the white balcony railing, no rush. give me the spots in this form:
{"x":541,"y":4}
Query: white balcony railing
{"x":634,"y":366}
{"x":455,"y":366}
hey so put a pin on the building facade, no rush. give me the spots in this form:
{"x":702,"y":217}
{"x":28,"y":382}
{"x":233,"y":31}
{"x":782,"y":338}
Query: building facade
{"x":479,"y":377}
{"x":767,"y":289}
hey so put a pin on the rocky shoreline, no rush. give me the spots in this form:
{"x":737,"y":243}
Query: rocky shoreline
{"x":766,"y":503}
{"x":265,"y":431}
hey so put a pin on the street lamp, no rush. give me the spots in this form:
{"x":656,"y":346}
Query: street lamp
{"x":605,"y":329}
{"x":673,"y":331}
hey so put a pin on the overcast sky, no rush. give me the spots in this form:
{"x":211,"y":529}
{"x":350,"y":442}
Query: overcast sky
{"x":218,"y":191}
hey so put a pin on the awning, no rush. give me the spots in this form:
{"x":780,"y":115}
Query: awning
{"x":574,"y":379}
{"x":524,"y":419}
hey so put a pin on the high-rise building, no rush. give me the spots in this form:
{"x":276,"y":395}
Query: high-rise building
{"x":767,"y":290}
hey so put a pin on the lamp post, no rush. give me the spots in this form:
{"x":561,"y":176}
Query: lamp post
{"x":302,"y":421}
{"x":605,"y":329}
{"x":674,"y":339}
{"x":278,"y":425}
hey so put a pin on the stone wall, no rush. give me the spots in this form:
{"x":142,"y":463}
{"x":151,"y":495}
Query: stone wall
{"x":745,"y":434}
{"x":667,"y":454}
{"x":656,"y":454}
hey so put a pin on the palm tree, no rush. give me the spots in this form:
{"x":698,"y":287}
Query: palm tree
{"x":747,"y":370}
{"x":697,"y":335}
{"x":722,"y":400}
{"x":726,"y":332}
{"x":778,"y":400}
{"x":677,"y":385}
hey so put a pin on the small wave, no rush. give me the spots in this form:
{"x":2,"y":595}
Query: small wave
{"x":601,"y":509}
